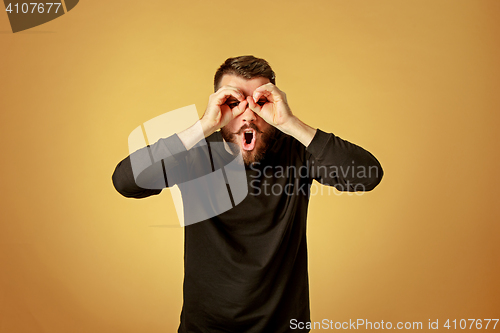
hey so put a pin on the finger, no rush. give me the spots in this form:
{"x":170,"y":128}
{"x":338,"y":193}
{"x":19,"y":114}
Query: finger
{"x":239,"y":109}
{"x":228,"y":87}
{"x":269,"y":91}
{"x":252,"y":105}
{"x":225,"y":92}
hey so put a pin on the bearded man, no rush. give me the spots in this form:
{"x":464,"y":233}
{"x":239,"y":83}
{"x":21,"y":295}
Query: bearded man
{"x":246,"y":269}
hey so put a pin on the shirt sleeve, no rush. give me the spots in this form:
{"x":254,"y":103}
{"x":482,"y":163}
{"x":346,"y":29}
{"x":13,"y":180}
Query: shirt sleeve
{"x":144,"y":172}
{"x":344,"y":165}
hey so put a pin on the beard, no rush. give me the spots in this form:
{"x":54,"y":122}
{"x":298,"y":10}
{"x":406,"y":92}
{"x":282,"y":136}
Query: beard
{"x":261,"y":145}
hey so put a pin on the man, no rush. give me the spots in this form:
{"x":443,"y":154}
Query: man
{"x":246,"y":269}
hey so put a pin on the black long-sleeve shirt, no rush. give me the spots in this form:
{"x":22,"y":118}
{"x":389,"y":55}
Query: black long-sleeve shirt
{"x":246,"y":269}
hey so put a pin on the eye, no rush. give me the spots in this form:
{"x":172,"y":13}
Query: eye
{"x":262,"y":102}
{"x":232,"y":104}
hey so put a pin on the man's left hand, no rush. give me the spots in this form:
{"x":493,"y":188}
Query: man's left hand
{"x":270,"y":103}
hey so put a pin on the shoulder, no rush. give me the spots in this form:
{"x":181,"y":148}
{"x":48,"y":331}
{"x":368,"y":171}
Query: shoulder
{"x":214,"y":137}
{"x":286,"y":148}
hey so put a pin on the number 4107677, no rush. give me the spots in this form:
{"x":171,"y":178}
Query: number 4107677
{"x":35,"y":7}
{"x":463,"y":323}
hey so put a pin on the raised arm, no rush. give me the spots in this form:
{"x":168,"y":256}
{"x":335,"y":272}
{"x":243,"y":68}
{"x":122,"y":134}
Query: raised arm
{"x":150,"y":169}
{"x":333,"y":161}
{"x":344,"y":165}
{"x":144,"y":172}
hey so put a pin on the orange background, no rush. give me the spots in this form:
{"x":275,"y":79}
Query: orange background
{"x":414,"y":82}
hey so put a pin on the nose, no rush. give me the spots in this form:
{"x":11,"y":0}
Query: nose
{"x":248,"y":115}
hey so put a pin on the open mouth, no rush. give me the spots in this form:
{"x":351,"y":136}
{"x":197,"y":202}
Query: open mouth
{"x":248,"y":139}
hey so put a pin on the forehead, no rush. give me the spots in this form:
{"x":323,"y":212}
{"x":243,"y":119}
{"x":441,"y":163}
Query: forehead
{"x":246,"y":86}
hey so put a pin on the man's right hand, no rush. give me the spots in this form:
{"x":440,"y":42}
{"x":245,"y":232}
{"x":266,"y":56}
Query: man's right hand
{"x":224,"y":105}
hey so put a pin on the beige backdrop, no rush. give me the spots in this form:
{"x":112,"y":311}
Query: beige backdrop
{"x":414,"y":82}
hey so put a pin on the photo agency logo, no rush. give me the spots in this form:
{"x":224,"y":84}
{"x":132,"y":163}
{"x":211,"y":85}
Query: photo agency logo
{"x":26,"y":15}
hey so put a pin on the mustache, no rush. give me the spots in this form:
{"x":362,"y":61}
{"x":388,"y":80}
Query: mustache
{"x":247,"y":126}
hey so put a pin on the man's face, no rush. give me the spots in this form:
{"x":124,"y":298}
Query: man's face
{"x":249,"y":131}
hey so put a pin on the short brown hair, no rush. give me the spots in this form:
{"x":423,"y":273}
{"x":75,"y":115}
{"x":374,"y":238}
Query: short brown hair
{"x":248,"y":67}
